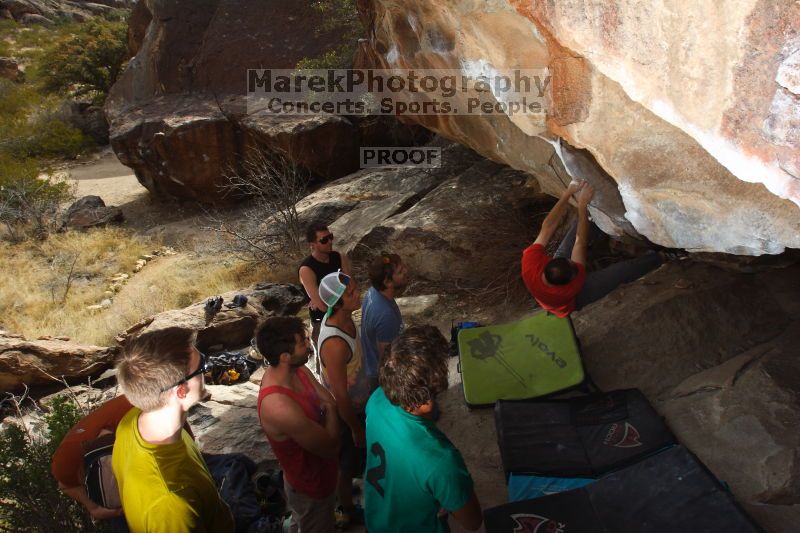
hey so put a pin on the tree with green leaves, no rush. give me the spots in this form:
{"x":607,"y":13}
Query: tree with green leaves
{"x":340,"y":17}
{"x":86,"y":63}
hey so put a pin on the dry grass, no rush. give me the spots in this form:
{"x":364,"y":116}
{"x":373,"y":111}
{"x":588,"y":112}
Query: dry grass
{"x":172,"y":282}
{"x":46,"y":287}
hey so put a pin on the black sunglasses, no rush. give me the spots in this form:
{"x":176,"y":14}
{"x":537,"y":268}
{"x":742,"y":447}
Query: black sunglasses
{"x":205,"y":366}
{"x":326,"y":239}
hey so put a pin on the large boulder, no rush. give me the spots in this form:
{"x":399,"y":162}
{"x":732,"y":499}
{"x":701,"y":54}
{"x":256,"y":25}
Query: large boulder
{"x":97,"y":9}
{"x":47,"y":360}
{"x":678,"y":321}
{"x":441,"y":221}
{"x":355,"y":205}
{"x":179,"y":114}
{"x":230,"y":328}
{"x":747,"y":407}
{"x":446,"y":235}
{"x":138,"y":22}
{"x":20,"y":8}
{"x":691,"y":111}
{"x":30,"y":19}
{"x":30,"y":11}
{"x":86,"y":397}
{"x":88,"y":118}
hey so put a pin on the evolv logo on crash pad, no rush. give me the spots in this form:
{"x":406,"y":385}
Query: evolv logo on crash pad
{"x":622,"y":436}
{"x":533,"y":523}
{"x":538,"y":343}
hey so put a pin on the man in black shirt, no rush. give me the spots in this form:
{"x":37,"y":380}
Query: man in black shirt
{"x":322,"y":261}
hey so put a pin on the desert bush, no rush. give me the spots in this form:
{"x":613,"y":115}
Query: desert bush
{"x":5,"y":48}
{"x":30,"y":498}
{"x":6,"y":26}
{"x":269,"y":230}
{"x":28,"y":42}
{"x":15,"y":100}
{"x":29,"y":205}
{"x":30,"y":127}
{"x":340,"y":17}
{"x":86,"y":62}
{"x":46,"y":136}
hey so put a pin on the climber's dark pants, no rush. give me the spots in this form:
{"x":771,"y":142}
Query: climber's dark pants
{"x":602,"y":282}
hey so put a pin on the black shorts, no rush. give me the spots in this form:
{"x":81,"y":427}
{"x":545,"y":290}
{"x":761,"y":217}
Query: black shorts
{"x":352,"y":460}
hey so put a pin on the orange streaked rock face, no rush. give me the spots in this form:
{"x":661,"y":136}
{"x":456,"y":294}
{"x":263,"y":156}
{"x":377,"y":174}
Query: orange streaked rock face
{"x":690,"y":109}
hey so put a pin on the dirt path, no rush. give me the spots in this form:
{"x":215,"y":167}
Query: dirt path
{"x":106,"y":165}
{"x":175,"y":223}
{"x":107,"y":178}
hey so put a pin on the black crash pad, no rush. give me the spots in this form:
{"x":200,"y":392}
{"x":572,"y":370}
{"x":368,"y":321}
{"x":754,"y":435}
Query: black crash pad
{"x":587,"y":436}
{"x":671,"y":492}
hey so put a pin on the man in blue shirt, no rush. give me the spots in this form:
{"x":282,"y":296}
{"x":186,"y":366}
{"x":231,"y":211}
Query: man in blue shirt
{"x":415,"y":477}
{"x":381,"y":321}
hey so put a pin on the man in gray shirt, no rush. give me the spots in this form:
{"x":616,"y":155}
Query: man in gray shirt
{"x":381,"y":321}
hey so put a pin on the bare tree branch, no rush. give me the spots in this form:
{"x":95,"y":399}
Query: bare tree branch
{"x":268,"y":231}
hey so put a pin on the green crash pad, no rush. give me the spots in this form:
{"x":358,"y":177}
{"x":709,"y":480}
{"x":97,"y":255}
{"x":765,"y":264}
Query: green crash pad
{"x":526,"y":359}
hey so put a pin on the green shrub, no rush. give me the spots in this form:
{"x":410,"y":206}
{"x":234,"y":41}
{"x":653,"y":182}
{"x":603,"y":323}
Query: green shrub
{"x":6,"y":28}
{"x":29,"y":203}
{"x":86,"y":62}
{"x":30,"y":127}
{"x":52,"y":137}
{"x":340,"y":17}
{"x":340,"y":57}
{"x":30,"y":498}
{"x":15,"y":101}
{"x":63,"y":415}
{"x":5,"y":48}
{"x":28,"y":39}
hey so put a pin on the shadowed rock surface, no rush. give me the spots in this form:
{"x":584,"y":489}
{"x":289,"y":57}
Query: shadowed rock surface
{"x":441,"y":221}
{"x":691,"y":111}
{"x":715,"y":351}
{"x":178,"y":114}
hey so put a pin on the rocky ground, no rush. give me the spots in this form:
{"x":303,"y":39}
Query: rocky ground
{"x":712,"y":344}
{"x":47,"y":12}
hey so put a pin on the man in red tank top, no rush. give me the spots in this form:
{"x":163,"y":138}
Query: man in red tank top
{"x":299,"y":418}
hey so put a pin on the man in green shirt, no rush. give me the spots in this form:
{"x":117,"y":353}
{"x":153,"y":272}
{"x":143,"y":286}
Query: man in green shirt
{"x":164,"y":482}
{"x":415,"y":477}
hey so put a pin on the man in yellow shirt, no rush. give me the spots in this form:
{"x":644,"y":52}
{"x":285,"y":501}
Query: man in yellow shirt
{"x":163,"y":481}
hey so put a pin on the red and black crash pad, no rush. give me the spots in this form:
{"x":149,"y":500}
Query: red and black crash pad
{"x":587,"y":436}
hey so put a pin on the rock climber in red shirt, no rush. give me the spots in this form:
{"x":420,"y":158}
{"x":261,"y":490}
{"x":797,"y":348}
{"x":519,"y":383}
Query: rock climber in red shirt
{"x":560,"y":284}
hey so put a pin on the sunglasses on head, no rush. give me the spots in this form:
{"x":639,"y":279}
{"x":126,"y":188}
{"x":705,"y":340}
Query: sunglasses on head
{"x":326,"y":239}
{"x":205,"y":366}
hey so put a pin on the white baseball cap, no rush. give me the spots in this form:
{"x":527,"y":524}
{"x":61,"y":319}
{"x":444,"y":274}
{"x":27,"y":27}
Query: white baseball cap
{"x":332,"y":287}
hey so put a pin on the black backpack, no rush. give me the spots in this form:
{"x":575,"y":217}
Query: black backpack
{"x":101,"y":484}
